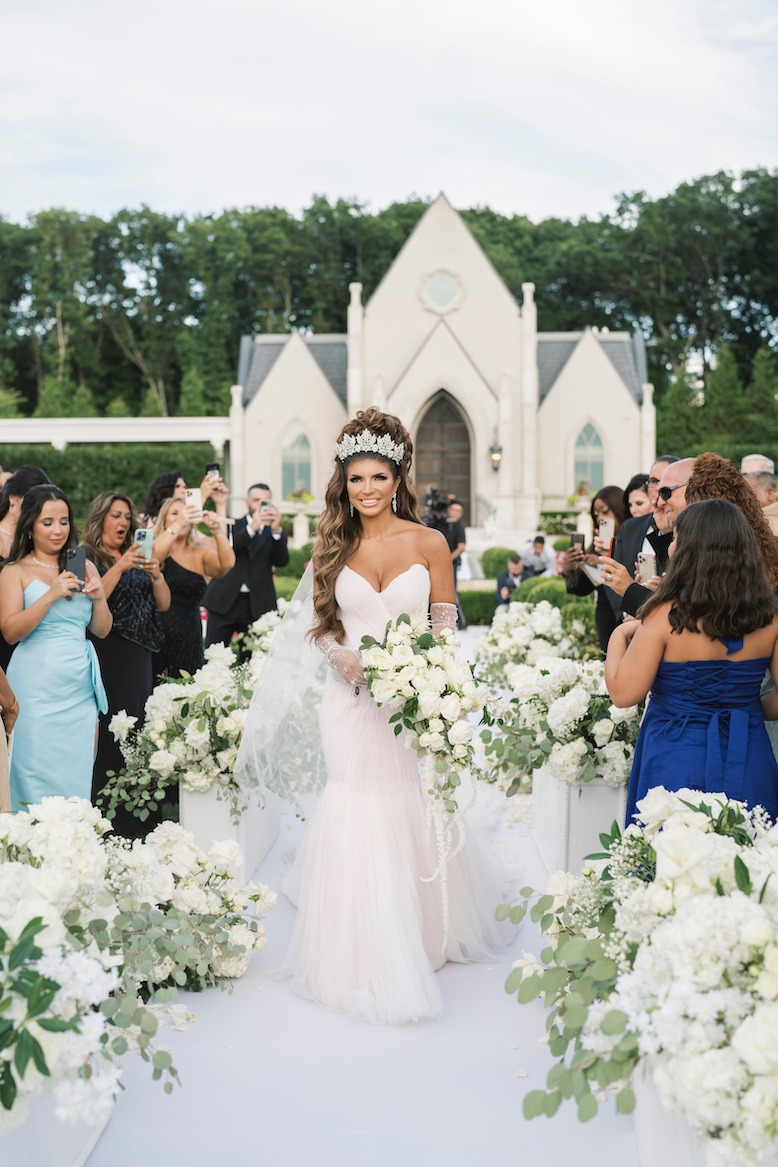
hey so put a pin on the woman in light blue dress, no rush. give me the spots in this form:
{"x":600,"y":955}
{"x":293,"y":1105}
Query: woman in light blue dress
{"x":45,"y":610}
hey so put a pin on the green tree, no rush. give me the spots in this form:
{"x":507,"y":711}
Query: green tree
{"x":81,"y":403}
{"x":10,"y":403}
{"x":151,"y":405}
{"x":724,"y":411}
{"x":53,"y":398}
{"x":679,"y":424}
{"x":191,"y":403}
{"x":117,"y":407}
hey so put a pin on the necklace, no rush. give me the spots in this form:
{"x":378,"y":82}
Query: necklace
{"x":53,"y":566}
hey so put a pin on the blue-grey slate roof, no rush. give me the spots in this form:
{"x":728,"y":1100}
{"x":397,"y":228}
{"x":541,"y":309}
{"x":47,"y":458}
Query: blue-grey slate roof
{"x":626,"y":353}
{"x":258,"y":357}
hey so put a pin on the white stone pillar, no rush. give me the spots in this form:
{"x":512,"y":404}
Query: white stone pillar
{"x":647,"y":427}
{"x":529,"y":480}
{"x":355,"y":317}
{"x":238,"y":482}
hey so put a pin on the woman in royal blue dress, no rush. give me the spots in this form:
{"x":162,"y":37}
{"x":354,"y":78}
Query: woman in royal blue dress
{"x":45,"y":610}
{"x":701,"y":649}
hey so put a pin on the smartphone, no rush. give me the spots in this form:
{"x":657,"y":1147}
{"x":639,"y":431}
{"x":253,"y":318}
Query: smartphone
{"x":193,"y":497}
{"x":646,"y":566}
{"x":263,"y":506}
{"x":145,"y":539}
{"x":75,"y":561}
{"x":607,"y":533}
{"x":577,"y":540}
{"x":212,"y":470}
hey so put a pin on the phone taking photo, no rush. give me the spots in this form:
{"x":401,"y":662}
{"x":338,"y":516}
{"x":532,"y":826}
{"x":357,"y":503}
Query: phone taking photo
{"x":193,"y":497}
{"x":577,"y":540}
{"x":75,"y":561}
{"x":646,"y":566}
{"x":144,"y":537}
{"x":607,"y":533}
{"x":212,"y":470}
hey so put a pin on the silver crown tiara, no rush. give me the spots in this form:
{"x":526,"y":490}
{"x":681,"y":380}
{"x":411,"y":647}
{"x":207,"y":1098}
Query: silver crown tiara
{"x":369,"y":443}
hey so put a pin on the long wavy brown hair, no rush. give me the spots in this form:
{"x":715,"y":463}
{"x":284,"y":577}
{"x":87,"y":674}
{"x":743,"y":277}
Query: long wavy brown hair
{"x":715,"y":477}
{"x":715,"y":582}
{"x":339,"y":532}
{"x":92,"y":538}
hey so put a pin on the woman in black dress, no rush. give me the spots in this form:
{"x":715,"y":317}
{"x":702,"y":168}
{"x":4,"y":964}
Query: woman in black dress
{"x":187,"y":558}
{"x":137,"y":593}
{"x":608,"y":503}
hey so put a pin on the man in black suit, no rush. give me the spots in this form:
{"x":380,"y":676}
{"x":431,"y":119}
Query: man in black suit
{"x":509,"y":580}
{"x":246,"y":591}
{"x":649,"y":533}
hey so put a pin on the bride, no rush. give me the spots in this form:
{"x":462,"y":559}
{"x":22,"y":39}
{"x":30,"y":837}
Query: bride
{"x":370,"y":929}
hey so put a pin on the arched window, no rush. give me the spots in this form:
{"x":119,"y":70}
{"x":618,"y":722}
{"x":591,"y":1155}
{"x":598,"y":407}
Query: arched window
{"x":296,"y":464}
{"x":589,"y":467}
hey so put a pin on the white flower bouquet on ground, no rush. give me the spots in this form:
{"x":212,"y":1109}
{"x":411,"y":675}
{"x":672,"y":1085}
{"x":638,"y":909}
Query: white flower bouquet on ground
{"x":433,"y":695}
{"x":190,"y":735}
{"x":94,"y":937}
{"x":257,"y":638}
{"x":561,"y":717}
{"x":666,"y":948}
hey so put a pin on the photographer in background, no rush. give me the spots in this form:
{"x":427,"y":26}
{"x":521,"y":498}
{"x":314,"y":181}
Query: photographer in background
{"x":246,"y":592}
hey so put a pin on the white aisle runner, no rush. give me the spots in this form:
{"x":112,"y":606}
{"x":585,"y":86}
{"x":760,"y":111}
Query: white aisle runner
{"x":272,"y":1080}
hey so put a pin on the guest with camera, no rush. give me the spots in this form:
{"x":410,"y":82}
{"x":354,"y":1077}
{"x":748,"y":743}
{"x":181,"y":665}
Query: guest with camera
{"x":246,"y":592}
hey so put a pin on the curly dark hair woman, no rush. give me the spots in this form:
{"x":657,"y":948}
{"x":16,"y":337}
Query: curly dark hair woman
{"x":715,"y":477}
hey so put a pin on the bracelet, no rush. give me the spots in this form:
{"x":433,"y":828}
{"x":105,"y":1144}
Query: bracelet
{"x":10,"y":708}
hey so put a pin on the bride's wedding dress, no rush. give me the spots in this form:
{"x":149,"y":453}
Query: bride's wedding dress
{"x":370,"y":926}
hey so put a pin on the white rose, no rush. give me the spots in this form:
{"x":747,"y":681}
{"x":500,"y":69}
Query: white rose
{"x":756,"y":933}
{"x":377,"y":658}
{"x":602,"y":731}
{"x":460,"y":733}
{"x":163,"y":762}
{"x":385,"y":692}
{"x":756,"y":1040}
{"x":451,"y":707}
{"x":767,"y":985}
{"x":430,"y":705}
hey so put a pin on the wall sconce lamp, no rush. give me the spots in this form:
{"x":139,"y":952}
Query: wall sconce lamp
{"x":495,"y":453}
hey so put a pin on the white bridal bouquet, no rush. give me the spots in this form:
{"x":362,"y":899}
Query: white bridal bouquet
{"x":561,"y":716}
{"x":417,"y":675}
{"x":666,"y":948}
{"x":524,"y":634}
{"x":190,"y":734}
{"x":94,"y":937}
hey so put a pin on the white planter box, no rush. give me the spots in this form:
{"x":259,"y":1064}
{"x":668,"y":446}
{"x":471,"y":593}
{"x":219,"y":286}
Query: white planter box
{"x":567,"y":820}
{"x":43,"y":1139}
{"x":208,"y":818}
{"x":664,"y":1140}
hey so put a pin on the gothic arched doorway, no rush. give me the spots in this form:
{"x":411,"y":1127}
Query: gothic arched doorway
{"x":443,"y":452}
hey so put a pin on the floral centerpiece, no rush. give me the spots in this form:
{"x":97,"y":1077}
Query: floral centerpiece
{"x":94,"y":935}
{"x":523,"y":633}
{"x":665,"y":948}
{"x":190,"y":735}
{"x":417,"y":675}
{"x":560,"y":716}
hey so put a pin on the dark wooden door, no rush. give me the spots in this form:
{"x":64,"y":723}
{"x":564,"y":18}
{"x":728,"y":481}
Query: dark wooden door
{"x":443,"y":452}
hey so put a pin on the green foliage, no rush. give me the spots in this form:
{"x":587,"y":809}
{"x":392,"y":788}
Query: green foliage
{"x":191,"y":403}
{"x":557,"y":522}
{"x":477,"y":605}
{"x":83,"y":471}
{"x":10,"y":403}
{"x":151,"y":406}
{"x":542,"y":587}
{"x":494,"y":559}
{"x":53,"y":398}
{"x":298,"y":557}
{"x":117,"y":407}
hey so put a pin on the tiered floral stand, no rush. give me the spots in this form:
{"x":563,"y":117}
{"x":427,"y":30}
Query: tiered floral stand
{"x":209,"y":819}
{"x":567,"y":820}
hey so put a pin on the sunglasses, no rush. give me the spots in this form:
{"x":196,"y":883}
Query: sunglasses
{"x":665,"y":492}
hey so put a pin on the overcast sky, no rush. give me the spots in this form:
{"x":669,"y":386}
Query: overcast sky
{"x":549,"y":108}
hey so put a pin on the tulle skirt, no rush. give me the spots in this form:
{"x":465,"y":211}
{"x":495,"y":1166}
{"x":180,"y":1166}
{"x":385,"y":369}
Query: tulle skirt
{"x":370,"y":928}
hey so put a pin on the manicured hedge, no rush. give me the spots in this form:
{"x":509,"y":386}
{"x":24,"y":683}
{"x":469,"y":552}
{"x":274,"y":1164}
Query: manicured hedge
{"x":494,"y":559}
{"x":298,"y":558}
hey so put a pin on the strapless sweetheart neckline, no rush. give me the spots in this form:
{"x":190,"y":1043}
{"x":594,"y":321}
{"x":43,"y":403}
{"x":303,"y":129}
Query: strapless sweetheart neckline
{"x":391,"y":581}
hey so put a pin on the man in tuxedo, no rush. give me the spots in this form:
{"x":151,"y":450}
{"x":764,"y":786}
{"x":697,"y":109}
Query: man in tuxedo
{"x":246,"y":591}
{"x":647,"y":533}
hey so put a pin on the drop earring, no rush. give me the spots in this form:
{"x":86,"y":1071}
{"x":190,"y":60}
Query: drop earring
{"x":351,"y":509}
{"x":394,"y":503}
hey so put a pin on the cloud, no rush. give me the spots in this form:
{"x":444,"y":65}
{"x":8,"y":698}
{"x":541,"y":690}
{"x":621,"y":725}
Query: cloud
{"x":532,"y":109}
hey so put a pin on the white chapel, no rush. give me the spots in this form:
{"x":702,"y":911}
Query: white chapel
{"x":509,"y":420}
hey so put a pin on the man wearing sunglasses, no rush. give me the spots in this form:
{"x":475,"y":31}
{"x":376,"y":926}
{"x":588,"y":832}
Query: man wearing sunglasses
{"x":667,"y":488}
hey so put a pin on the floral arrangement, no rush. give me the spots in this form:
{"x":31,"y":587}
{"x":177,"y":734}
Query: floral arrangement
{"x":524,"y":634}
{"x":257,"y":638}
{"x":417,"y":675}
{"x":93,"y":937}
{"x":561,"y":716}
{"x":190,"y":734}
{"x":665,"y":948}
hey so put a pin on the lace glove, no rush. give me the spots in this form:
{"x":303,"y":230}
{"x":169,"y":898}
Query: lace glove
{"x":444,"y":617}
{"x":346,"y":662}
